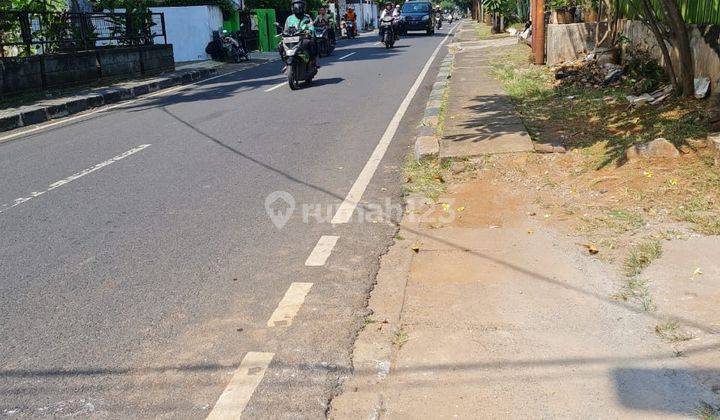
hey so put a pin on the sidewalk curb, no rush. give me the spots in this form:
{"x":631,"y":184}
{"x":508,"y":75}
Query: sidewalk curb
{"x":427,"y":144}
{"x":62,"y":107}
{"x":35,"y":114}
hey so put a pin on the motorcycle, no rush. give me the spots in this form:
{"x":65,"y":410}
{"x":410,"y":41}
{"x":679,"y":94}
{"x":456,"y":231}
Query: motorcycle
{"x":347,"y":29}
{"x":228,"y":46}
{"x":299,"y":67}
{"x":439,"y":22}
{"x":449,"y":17}
{"x":388,"y":30}
{"x":326,"y":43}
{"x":234,"y":46}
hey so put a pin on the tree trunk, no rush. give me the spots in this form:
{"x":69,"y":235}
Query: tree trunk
{"x":651,"y":21}
{"x":682,"y":44}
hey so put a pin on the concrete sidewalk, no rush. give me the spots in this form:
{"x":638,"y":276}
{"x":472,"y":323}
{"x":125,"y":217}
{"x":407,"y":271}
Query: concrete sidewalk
{"x":505,"y":319}
{"x":483,"y":311}
{"x":83,"y":99}
{"x":480,"y":118}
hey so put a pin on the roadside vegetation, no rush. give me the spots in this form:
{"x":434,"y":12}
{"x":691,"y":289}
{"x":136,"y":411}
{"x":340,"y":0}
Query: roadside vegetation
{"x":621,"y":207}
{"x":426,"y":177}
{"x":708,"y":412}
{"x":600,"y":194}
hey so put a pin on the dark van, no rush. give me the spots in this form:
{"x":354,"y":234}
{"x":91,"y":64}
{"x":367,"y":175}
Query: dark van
{"x":418,"y":16}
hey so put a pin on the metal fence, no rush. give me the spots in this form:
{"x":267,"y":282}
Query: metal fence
{"x":694,"y":11}
{"x":26,"y":33}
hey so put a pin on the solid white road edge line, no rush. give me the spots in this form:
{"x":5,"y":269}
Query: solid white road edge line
{"x":238,"y":392}
{"x":347,"y":55}
{"x":118,"y":105}
{"x":346,"y":209}
{"x":322,"y":251}
{"x":73,"y":177}
{"x":275,"y":87}
{"x":289,"y":305}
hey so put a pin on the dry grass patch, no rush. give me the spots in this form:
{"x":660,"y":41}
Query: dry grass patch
{"x":641,"y":255}
{"x":671,"y":332}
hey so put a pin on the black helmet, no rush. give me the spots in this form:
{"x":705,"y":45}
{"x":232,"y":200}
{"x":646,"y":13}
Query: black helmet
{"x":298,"y":7}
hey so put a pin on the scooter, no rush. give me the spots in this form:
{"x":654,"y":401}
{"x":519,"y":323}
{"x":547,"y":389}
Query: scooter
{"x":234,"y":46}
{"x":299,"y":67}
{"x":388,"y":30}
{"x":347,"y":28}
{"x":225,"y":46}
{"x":326,"y":43}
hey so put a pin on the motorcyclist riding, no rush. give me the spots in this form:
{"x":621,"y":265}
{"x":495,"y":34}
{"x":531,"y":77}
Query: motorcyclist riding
{"x":389,"y":11}
{"x":323,"y":19}
{"x":397,"y":14}
{"x":350,"y":16}
{"x":397,"y":11}
{"x":301,"y":22}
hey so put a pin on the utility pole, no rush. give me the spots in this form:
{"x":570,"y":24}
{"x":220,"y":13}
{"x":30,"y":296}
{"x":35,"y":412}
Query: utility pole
{"x":538,"y":32}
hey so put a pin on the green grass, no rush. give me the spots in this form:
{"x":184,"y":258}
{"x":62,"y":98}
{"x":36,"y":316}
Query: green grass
{"x":425,"y":177}
{"x":636,"y":290}
{"x":401,"y":337}
{"x":484,"y":31}
{"x":442,"y":117}
{"x":670,"y":331}
{"x":698,"y":211}
{"x":523,"y":84}
{"x":641,"y":255}
{"x":632,"y":220}
{"x":589,"y":115}
{"x":705,"y":224}
{"x":707,"y":411}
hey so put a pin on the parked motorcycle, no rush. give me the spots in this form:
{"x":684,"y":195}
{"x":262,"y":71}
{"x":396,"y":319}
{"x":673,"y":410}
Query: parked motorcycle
{"x":226,"y":46}
{"x":325,"y":42}
{"x":299,"y":67}
{"x":387,"y":28}
{"x":234,"y":45}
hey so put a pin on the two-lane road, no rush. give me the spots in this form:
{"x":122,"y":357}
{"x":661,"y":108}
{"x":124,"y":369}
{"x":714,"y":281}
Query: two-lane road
{"x":138,"y":264}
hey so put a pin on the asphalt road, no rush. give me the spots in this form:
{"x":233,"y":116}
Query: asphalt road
{"x":136,"y":285}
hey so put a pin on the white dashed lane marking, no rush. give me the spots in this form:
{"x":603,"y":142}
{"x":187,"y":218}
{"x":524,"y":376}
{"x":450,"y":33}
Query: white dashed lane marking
{"x":275,"y":87}
{"x":238,"y":392}
{"x":289,"y":305}
{"x":347,"y":55}
{"x":322,"y":251}
{"x":72,"y":177}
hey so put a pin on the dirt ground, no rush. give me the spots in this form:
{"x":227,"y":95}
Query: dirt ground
{"x":509,"y":313}
{"x":560,"y":285}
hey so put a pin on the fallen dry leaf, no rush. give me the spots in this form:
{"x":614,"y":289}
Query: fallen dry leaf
{"x":592,"y":249}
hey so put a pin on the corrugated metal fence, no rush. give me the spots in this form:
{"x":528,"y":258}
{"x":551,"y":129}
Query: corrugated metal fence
{"x":694,"y":11}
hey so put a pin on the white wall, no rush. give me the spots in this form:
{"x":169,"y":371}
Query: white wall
{"x":189,"y":29}
{"x":366,"y":13}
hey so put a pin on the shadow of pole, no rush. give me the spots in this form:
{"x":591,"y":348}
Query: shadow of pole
{"x":627,"y":306}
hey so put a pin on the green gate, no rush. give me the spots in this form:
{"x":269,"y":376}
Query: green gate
{"x":266,"y":29}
